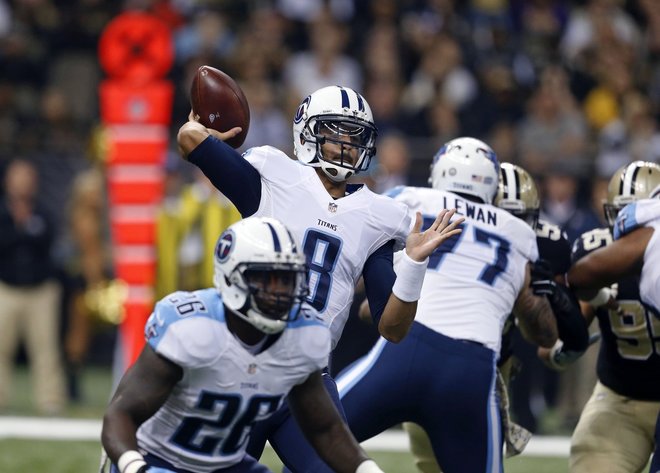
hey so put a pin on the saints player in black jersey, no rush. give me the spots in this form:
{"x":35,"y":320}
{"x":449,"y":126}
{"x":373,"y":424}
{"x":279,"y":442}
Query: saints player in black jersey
{"x":518,"y":194}
{"x":616,"y":429}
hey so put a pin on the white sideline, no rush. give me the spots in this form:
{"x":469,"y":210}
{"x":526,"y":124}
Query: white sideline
{"x":90,"y":429}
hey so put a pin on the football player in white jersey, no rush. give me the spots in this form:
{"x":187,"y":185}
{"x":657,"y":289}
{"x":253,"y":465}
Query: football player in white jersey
{"x":517,"y":193}
{"x":442,"y":375}
{"x":219,"y":359}
{"x":615,"y":432}
{"x":346,"y":230}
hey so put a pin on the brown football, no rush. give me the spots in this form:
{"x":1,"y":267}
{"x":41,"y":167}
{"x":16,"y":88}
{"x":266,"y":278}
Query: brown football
{"x":220,"y":103}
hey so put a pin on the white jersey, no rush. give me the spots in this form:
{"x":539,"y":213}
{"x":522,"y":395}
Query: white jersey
{"x":644,"y":213}
{"x":205,"y":423}
{"x":337,"y":235}
{"x":472,"y":280}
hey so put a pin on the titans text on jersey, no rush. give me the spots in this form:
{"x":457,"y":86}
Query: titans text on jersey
{"x":337,"y":236}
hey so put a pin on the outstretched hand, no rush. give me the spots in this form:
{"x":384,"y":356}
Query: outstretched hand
{"x":420,"y":245}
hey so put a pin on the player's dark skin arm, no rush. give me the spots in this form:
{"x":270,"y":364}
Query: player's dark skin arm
{"x":606,"y":265}
{"x":535,"y":318}
{"x":323,"y":427}
{"x":141,"y":392}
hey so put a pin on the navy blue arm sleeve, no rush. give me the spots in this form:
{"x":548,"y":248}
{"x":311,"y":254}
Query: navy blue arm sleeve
{"x":379,"y":277}
{"x":230,"y":173}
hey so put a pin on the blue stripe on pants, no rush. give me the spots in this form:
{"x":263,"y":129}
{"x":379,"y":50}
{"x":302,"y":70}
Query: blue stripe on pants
{"x":445,"y":385}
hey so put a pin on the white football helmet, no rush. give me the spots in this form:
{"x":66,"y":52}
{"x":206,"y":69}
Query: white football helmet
{"x":260,"y":273}
{"x":466,"y":166}
{"x":634,"y":181}
{"x":517,"y":193}
{"x":336,"y":115}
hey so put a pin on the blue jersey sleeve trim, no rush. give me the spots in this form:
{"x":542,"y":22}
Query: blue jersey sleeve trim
{"x":625,"y":221}
{"x":180,"y":306}
{"x":230,"y":173}
{"x":379,"y":277}
{"x":394,"y":191}
{"x":351,"y":188}
{"x":307,"y":317}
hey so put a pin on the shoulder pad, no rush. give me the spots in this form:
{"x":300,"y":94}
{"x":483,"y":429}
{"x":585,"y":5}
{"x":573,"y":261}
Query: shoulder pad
{"x":394,"y":191}
{"x":183,"y":326}
{"x":269,"y":160}
{"x":407,"y":195}
{"x":394,"y":217}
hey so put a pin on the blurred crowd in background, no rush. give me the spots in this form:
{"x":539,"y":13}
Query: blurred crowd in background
{"x":570,"y":90}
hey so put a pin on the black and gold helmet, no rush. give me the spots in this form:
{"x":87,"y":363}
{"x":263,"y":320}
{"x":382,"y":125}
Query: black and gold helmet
{"x":634,"y":181}
{"x":517,"y":193}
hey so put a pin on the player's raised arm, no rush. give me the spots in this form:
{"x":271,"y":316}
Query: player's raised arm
{"x":192,"y":134}
{"x":221,"y":164}
{"x":318,"y":418}
{"x":399,"y":312}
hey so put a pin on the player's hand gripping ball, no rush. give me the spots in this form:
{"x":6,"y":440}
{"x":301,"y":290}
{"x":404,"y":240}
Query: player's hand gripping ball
{"x":219,"y":103}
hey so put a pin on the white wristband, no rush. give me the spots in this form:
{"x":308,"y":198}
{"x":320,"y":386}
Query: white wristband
{"x":368,"y":466}
{"x":552,"y":358}
{"x":601,"y":298}
{"x":409,"y":278}
{"x":130,"y":462}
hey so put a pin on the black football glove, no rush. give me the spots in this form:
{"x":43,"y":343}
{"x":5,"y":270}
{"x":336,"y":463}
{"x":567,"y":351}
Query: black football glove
{"x":571,"y":324}
{"x":542,"y":269}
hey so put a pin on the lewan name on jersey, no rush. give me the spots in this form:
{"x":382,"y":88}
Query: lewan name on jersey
{"x":470,"y":210}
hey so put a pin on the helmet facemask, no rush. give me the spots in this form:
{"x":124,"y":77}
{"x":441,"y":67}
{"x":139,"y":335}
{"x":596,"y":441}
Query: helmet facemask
{"x":333,"y":129}
{"x":611,"y":210}
{"x":344,"y":146}
{"x":273,"y":293}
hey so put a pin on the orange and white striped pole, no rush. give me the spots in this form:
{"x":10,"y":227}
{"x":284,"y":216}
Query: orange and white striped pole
{"x":136,"y":52}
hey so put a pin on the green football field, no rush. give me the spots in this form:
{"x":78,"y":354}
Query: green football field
{"x":63,"y":456}
{"x":23,"y":456}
